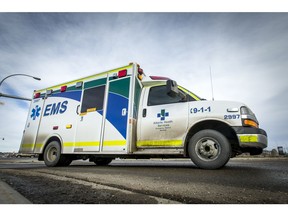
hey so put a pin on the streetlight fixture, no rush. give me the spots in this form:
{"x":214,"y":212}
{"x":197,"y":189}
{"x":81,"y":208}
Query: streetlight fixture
{"x":16,"y":97}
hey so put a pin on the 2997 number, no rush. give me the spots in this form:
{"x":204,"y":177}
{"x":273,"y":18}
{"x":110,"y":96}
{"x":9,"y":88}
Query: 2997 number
{"x":232,"y":116}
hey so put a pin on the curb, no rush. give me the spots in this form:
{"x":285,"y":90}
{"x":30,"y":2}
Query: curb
{"x":9,"y":196}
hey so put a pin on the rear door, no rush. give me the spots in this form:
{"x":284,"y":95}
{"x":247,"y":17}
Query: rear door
{"x":28,"y":143}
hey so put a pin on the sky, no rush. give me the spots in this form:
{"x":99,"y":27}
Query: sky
{"x":247,"y":54}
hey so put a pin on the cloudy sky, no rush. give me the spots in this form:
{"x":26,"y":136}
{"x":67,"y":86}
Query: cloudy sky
{"x":247,"y":53}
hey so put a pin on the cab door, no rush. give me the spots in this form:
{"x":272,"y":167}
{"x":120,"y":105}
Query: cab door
{"x":164,"y":119}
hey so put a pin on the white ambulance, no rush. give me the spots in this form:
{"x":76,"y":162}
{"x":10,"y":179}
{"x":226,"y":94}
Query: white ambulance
{"x":122,"y":113}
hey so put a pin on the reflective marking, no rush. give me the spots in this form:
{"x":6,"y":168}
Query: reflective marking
{"x":97,"y":143}
{"x":248,"y":138}
{"x":115,"y":143}
{"x":39,"y":145}
{"x":159,"y":143}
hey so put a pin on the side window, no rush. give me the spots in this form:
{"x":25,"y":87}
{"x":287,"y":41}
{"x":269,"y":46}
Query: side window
{"x":93,"y":98}
{"x":158,"y":95}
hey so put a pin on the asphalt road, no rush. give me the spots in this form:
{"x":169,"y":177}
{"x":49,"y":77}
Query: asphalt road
{"x":242,"y":181}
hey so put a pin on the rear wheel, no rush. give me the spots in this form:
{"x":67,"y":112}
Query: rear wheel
{"x":209,"y":149}
{"x":53,"y":157}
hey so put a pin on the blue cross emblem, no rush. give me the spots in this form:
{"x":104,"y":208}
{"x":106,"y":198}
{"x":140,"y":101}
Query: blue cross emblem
{"x":35,"y":112}
{"x":162,"y":115}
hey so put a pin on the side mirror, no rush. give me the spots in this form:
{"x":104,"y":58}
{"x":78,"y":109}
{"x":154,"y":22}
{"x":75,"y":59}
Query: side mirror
{"x":172,"y":88}
{"x":173,"y":91}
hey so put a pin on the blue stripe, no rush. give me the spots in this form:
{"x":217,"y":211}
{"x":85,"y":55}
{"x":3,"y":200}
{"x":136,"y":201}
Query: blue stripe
{"x":116,"y":103}
{"x":74,"y":95}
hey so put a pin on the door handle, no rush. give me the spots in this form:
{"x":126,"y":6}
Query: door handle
{"x":144,"y":113}
{"x":77,"y":109}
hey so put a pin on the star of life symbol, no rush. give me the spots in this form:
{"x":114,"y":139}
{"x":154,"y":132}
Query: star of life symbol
{"x":162,"y":115}
{"x":35,"y":112}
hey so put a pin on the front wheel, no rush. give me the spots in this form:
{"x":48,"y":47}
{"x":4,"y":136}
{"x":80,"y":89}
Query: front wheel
{"x":209,"y":149}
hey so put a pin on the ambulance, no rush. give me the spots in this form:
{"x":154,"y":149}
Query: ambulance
{"x":122,"y":113}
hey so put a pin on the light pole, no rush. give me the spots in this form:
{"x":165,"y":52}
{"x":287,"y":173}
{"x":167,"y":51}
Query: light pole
{"x":16,"y":97}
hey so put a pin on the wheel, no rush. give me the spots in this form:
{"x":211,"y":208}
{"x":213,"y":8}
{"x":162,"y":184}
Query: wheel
{"x":102,"y":161}
{"x":209,"y":149}
{"x":52,"y":154}
{"x":53,"y":157}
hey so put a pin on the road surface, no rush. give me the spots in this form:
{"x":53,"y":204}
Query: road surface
{"x":242,"y":181}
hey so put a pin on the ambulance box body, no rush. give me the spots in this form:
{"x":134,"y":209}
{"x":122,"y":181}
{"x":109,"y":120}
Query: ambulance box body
{"x":122,"y":113}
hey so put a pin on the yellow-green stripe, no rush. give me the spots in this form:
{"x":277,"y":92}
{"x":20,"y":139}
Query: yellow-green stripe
{"x":159,"y":143}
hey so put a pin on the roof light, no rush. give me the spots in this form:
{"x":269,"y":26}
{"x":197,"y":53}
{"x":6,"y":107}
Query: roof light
{"x":49,"y":92}
{"x":37,"y":95}
{"x":79,"y":84}
{"x":63,"y":88}
{"x":115,"y":76}
{"x":140,"y":71}
{"x":122,"y":73}
{"x":159,"y":78}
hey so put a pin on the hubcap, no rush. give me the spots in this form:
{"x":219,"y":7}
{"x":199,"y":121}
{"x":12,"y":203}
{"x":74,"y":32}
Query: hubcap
{"x":207,"y":149}
{"x":52,"y":154}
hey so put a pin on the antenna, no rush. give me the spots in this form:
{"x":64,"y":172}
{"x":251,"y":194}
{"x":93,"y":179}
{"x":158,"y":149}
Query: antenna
{"x":211,"y":83}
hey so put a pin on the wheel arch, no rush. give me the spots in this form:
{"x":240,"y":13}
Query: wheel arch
{"x":217,"y":125}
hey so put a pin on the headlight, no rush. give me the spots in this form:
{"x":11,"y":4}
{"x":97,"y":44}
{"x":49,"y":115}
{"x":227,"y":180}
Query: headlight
{"x":248,"y":117}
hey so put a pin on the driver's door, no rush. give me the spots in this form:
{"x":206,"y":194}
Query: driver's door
{"x":164,"y":119}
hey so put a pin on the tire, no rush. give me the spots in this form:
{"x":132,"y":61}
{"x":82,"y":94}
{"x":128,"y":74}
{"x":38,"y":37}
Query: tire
{"x":53,"y":157}
{"x":102,"y":161}
{"x":209,"y":149}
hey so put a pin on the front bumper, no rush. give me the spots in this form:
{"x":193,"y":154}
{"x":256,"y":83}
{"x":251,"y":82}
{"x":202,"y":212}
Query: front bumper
{"x":251,"y":137}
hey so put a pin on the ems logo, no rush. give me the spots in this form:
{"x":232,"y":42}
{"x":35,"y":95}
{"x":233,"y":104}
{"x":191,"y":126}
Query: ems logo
{"x":162,"y":115}
{"x":35,"y":112}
